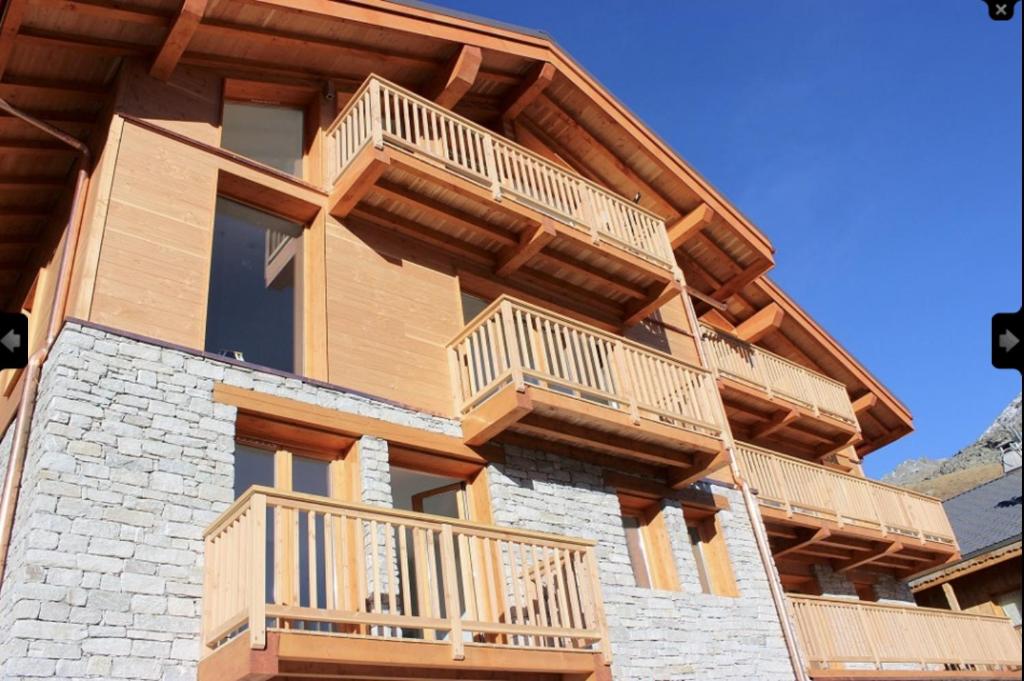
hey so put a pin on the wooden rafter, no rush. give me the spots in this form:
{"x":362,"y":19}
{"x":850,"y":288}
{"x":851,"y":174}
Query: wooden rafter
{"x":98,"y":46}
{"x":178,"y":38}
{"x":582,"y":268}
{"x":682,"y":230}
{"x":879,"y":551}
{"x":864,"y":402}
{"x":777,"y":423}
{"x":764,"y":321}
{"x":531,"y":242}
{"x":804,"y":539}
{"x":457,"y":77}
{"x":91,"y":8}
{"x":536,"y":81}
{"x":465,"y":252}
{"x":10,"y":24}
{"x":740,"y":279}
{"x":657,"y":296}
{"x":31,"y":182}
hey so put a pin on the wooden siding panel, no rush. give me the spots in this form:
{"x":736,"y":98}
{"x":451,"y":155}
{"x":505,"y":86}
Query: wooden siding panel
{"x":391,"y":309}
{"x":153,"y":272}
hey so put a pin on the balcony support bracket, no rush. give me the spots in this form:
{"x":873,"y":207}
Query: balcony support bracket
{"x":804,"y":540}
{"x":531,"y":243}
{"x":881,"y":551}
{"x":356,"y":181}
{"x":657,"y":296}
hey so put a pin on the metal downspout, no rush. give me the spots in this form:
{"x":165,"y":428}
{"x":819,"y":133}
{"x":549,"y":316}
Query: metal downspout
{"x":30,"y":385}
{"x":754,"y":514}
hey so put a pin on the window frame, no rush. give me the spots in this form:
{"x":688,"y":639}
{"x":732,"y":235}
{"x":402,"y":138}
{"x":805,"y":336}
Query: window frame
{"x":656,"y":546}
{"x":710,"y":553}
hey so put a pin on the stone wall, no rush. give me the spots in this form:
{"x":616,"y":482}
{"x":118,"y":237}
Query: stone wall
{"x":887,"y":588}
{"x":129,"y":461}
{"x":656,"y":635}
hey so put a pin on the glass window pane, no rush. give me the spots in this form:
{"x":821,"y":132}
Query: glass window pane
{"x":271,"y":135}
{"x":247,"y":317}
{"x":253,"y":466}
{"x":310,"y":475}
{"x":472,"y":306}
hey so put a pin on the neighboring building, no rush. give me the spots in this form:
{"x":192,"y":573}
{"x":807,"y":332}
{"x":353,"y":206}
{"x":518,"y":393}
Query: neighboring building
{"x":350,"y":360}
{"x":986,"y":579}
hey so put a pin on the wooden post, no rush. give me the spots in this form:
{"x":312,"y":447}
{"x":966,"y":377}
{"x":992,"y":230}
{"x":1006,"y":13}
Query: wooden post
{"x":258,"y":554}
{"x":515,"y":359}
{"x":595,"y":588}
{"x":626,"y":386}
{"x":455,"y":372}
{"x":209,"y":584}
{"x":376,"y":124}
{"x":451,"y":592}
{"x":954,"y":602}
{"x":491,"y":164}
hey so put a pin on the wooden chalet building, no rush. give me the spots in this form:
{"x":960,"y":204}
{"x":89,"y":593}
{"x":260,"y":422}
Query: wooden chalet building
{"x":375,"y":341}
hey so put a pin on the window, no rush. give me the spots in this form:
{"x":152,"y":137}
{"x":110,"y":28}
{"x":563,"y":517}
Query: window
{"x":251,"y":310}
{"x":272,"y":135}
{"x":647,"y":543}
{"x":472,"y":306}
{"x":1010,"y":603}
{"x":710,"y":554}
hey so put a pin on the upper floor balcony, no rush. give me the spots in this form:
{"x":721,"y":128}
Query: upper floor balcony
{"x":399,"y":161}
{"x":773,"y":401}
{"x":519,"y":368}
{"x":298,"y":585}
{"x":814,"y":513}
{"x":849,"y":639}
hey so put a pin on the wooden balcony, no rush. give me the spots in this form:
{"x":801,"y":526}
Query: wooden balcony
{"x":849,"y":639}
{"x":519,"y":368}
{"x":816,"y":514}
{"x":399,"y":161}
{"x":774,"y":402}
{"x":304,"y":586}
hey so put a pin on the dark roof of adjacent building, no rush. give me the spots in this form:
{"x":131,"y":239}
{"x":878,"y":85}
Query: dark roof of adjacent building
{"x":987,"y":515}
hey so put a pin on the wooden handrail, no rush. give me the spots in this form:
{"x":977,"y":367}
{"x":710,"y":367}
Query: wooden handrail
{"x":835,"y":632}
{"x":383,"y":112}
{"x":803,"y":487}
{"x":777,"y":375}
{"x":513,"y":341}
{"x":341,"y":568}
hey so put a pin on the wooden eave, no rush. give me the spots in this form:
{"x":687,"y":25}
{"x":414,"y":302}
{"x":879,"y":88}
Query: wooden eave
{"x":60,"y":53}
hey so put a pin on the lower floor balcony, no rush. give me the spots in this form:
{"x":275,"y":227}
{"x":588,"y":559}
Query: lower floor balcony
{"x":298,"y":585}
{"x":849,"y":639}
{"x":519,"y":369}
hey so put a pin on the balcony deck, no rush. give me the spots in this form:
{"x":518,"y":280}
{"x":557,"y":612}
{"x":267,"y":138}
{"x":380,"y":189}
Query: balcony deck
{"x":299,"y":585}
{"x":519,"y":368}
{"x":774,"y":402}
{"x":401,"y":162}
{"x":848,"y":639}
{"x":816,"y":514}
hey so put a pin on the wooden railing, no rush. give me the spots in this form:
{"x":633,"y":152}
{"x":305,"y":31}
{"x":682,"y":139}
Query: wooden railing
{"x":776,"y":375}
{"x":286,"y":561}
{"x":382,"y":113}
{"x":512,"y":342}
{"x":809,"y":489}
{"x":837,"y":633}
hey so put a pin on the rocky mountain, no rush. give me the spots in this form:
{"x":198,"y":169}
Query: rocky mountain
{"x":978,"y":462}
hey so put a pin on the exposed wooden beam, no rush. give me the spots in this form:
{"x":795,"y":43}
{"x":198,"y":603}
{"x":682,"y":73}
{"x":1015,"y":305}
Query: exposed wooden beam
{"x":740,"y":279}
{"x":99,"y":46}
{"x":777,"y":423}
{"x":683,"y":229}
{"x":880,"y":551}
{"x":15,"y":146}
{"x":457,"y":77}
{"x":91,"y":8}
{"x":531,"y":242}
{"x":464,"y":252}
{"x":178,"y":38}
{"x":718,"y":320}
{"x":658,"y":295}
{"x":533,"y":84}
{"x":864,"y":402}
{"x":803,"y":541}
{"x":445,"y":213}
{"x":704,"y":463}
{"x":582,"y":268}
{"x":767,"y":319}
{"x":10,"y":24}
{"x":56,"y":116}
{"x":23,"y":85}
{"x":356,"y":180}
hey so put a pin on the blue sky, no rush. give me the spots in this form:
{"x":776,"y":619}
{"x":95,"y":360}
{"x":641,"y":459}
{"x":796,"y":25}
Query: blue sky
{"x":877,"y":143}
